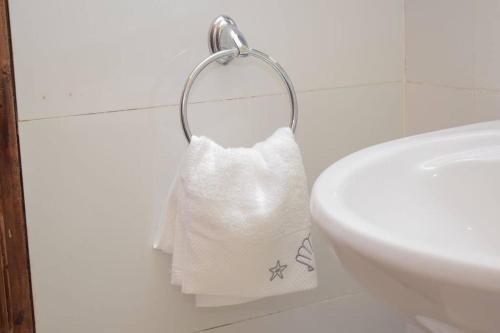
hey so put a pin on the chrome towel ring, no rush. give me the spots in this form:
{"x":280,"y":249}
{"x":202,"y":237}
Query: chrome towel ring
{"x":226,"y":42}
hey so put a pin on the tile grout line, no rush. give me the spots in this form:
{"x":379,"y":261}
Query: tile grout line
{"x":474,"y":50}
{"x":440,"y":85}
{"x":405,"y":74}
{"x":208,"y":329}
{"x":152,"y":107}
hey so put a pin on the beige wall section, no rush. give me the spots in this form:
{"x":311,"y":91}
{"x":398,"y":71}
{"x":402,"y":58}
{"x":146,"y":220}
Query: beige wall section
{"x":452,"y":63}
{"x":98,"y":85}
{"x":76,"y":57}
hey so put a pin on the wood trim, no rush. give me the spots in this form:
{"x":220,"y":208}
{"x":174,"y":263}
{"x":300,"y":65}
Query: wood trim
{"x":16,"y":307}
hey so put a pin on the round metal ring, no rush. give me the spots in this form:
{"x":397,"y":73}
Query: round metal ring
{"x":234,"y":53}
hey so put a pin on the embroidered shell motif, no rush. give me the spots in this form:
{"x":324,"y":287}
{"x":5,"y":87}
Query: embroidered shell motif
{"x":305,"y":254}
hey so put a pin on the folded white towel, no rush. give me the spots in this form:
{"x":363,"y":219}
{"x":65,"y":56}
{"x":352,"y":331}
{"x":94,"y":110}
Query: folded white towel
{"x":237,"y":222}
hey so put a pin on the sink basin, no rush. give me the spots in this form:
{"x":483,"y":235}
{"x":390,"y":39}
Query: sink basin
{"x":417,"y":222}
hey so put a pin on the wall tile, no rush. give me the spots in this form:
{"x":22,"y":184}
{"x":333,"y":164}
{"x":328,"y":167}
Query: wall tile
{"x":487,"y":105}
{"x":440,"y":41}
{"x":337,"y":122}
{"x":75,"y":57}
{"x":350,"y":314}
{"x":451,"y":43}
{"x":487,"y":44}
{"x":431,"y":108}
{"x":94,"y":184}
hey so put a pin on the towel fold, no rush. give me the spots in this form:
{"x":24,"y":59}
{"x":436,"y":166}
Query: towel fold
{"x":237,"y":222}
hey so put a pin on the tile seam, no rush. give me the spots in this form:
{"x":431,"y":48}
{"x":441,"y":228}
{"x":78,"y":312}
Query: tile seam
{"x":324,"y":301}
{"x":152,"y":107}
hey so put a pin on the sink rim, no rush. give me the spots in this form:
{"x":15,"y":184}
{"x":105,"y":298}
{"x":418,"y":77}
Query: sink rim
{"x":334,"y":218}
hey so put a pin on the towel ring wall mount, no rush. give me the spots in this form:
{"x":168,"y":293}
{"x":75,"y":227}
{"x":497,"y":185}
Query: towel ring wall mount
{"x":226,"y":42}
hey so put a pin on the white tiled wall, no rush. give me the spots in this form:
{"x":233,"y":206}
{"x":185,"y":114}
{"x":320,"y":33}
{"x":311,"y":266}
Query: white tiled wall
{"x":97,"y":89}
{"x":452,"y":63}
{"x":76,"y":57}
{"x":348,"y":314}
{"x":98,"y":84}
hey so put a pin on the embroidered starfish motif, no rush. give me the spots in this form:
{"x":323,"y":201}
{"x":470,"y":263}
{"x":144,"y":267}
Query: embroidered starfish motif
{"x":277,"y":270}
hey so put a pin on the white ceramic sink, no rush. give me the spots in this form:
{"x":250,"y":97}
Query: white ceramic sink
{"x":417,"y":221}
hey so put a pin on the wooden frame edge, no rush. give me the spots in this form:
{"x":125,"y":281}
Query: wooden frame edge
{"x":16,"y":304}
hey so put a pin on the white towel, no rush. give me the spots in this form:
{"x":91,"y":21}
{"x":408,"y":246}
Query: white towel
{"x":237,"y":222}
